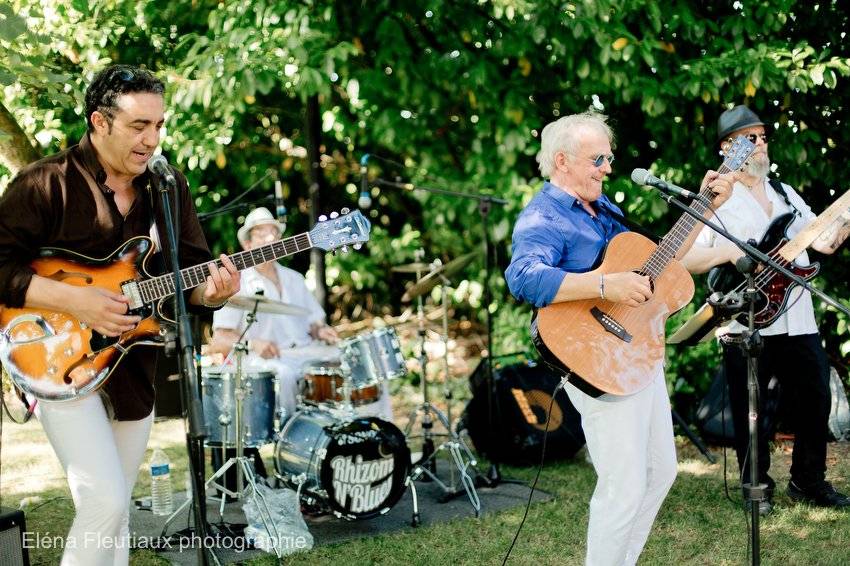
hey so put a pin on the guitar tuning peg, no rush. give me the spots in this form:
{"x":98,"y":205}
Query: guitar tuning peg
{"x":357,"y":246}
{"x":322,"y":218}
{"x":334,"y":214}
{"x":344,"y":249}
{"x":345,"y":210}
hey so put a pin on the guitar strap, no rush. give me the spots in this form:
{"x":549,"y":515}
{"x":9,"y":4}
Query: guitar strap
{"x":780,"y":190}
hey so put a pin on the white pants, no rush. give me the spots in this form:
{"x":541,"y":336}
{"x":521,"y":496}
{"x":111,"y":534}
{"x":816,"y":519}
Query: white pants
{"x":630,"y":442}
{"x":101,"y":458}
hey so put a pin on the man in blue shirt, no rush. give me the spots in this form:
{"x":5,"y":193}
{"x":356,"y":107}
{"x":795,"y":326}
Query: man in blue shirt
{"x":558,"y":241}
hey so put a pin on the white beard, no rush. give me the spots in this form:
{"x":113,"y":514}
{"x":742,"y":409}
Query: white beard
{"x":758,"y":166}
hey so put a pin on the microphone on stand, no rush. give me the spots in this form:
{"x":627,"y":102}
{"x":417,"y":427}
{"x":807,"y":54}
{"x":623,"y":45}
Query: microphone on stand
{"x":365,"y":200}
{"x":279,"y":206}
{"x":158,"y":165}
{"x":644,"y":177}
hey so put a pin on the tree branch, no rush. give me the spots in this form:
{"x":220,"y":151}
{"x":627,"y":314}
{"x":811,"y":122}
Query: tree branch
{"x":16,"y":150}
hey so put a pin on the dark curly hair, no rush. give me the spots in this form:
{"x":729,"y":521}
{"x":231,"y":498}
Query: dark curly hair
{"x":113,"y":81}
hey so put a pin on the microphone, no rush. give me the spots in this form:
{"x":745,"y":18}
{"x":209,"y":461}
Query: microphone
{"x":365,"y":200}
{"x":643,"y":177}
{"x":158,"y":165}
{"x":279,"y":206}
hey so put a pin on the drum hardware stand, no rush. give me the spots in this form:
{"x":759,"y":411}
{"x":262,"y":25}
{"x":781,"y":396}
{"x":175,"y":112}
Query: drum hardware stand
{"x":426,"y":407}
{"x":425,"y":469}
{"x":244,"y":465}
{"x":485,"y":205}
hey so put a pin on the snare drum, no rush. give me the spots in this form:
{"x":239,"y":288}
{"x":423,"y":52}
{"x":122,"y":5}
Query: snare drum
{"x":324,"y":383}
{"x":373,"y":356}
{"x":258,"y":406}
{"x":356,"y":467}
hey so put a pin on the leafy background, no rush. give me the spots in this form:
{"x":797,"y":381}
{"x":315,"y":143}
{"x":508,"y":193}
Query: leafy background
{"x":450,"y":94}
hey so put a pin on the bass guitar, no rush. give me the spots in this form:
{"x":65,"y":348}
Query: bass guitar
{"x":608,"y":347}
{"x":53,"y":356}
{"x":773,"y":288}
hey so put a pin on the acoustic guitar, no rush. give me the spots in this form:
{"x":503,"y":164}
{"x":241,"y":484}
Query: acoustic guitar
{"x":608,"y":347}
{"x":53,"y":356}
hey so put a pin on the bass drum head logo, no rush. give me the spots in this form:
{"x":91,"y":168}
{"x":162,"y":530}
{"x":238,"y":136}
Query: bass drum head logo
{"x":365,"y":467}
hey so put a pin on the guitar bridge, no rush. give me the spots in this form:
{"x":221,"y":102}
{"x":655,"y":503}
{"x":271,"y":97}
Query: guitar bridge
{"x":610,"y":325}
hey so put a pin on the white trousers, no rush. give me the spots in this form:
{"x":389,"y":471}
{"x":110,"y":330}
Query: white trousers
{"x":630,"y":442}
{"x":101,"y":458}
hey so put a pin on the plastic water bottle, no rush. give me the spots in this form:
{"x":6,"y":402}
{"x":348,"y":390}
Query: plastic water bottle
{"x":160,"y":483}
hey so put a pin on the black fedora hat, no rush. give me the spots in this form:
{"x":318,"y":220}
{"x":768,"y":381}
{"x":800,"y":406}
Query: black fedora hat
{"x":736,"y":119}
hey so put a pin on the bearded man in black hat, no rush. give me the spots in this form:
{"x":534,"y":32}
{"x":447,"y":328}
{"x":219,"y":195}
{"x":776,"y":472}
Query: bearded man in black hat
{"x":792,"y":352}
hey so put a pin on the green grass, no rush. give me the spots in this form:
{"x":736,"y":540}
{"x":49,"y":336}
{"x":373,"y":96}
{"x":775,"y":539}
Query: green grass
{"x":696,"y":525}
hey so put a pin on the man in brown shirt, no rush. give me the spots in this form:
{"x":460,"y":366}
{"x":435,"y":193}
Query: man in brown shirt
{"x":89,"y":199}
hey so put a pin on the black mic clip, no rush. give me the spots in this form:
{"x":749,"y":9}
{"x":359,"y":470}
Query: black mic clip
{"x":729,"y":303}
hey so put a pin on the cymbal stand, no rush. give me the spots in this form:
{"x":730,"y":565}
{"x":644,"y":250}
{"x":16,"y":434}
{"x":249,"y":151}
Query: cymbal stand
{"x":425,"y":469}
{"x":244,"y":465}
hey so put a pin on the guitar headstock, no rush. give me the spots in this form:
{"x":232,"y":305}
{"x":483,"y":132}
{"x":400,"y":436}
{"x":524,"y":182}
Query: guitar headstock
{"x":736,"y":153}
{"x":340,"y":231}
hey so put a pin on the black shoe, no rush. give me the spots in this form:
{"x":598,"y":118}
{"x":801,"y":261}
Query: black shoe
{"x":765,"y":506}
{"x":821,"y":494}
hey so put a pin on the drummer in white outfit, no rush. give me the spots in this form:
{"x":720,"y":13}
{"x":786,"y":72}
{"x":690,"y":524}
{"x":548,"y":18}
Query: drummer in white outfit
{"x":276,"y":342}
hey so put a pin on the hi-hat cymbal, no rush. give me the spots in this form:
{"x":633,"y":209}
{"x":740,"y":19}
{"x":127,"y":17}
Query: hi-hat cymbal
{"x":264,"y":304}
{"x":434,"y":277}
{"x":415,"y":267}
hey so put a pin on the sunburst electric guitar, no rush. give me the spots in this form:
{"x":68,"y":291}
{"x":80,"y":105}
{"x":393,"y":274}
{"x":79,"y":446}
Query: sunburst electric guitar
{"x":53,"y":356}
{"x":609,"y":347}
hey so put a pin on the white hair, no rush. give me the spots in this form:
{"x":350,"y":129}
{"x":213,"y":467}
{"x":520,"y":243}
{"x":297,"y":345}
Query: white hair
{"x":564,"y":134}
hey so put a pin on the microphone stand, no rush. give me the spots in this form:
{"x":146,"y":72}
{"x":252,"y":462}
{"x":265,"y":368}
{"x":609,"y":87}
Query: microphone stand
{"x":190,"y":392}
{"x":485,"y":204}
{"x":751,"y":344}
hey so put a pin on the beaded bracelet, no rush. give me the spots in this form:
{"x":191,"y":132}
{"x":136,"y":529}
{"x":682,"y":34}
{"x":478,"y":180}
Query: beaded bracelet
{"x":602,"y":287}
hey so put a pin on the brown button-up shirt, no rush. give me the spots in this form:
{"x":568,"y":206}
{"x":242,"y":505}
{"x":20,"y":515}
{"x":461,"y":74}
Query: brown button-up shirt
{"x":62,"y":201}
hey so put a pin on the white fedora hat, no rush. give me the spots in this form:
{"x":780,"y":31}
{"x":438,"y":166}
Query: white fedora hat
{"x":258,"y":217}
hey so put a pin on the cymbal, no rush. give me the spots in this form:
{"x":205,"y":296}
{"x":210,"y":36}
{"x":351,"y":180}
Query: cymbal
{"x":433,"y":278}
{"x":415,"y":267}
{"x":264,"y":304}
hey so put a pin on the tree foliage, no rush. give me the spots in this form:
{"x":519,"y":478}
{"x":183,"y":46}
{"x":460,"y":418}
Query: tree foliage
{"x":450,"y":94}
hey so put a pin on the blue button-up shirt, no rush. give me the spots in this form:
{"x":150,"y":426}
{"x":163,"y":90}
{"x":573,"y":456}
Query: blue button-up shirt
{"x":554,"y":236}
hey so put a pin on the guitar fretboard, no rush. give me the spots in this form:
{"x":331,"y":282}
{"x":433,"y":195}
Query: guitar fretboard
{"x":158,"y":287}
{"x":672,"y":242}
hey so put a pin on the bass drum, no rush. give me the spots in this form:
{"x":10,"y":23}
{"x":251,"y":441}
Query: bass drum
{"x":354,"y":466}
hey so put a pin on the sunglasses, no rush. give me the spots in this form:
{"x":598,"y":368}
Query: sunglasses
{"x":754,"y":137}
{"x":600,"y":159}
{"x":123,"y":75}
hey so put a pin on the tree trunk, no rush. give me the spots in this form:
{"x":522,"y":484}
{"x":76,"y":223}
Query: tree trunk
{"x":314,"y":142}
{"x":16,"y":151}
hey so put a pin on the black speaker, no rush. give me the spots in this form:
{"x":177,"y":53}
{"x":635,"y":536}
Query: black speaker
{"x":714,"y":414}
{"x":13,"y":552}
{"x":521,"y":398}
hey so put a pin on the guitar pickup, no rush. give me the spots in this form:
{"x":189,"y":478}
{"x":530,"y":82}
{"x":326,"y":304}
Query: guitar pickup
{"x":610,"y":325}
{"x":130,"y":289}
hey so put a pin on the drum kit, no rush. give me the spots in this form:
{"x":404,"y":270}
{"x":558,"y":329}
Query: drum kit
{"x":356,"y":467}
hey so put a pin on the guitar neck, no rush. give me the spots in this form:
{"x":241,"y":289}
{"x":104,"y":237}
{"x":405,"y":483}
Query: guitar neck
{"x":163,"y":286}
{"x":672,"y":242}
{"x":803,"y":240}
